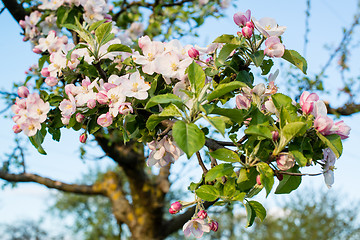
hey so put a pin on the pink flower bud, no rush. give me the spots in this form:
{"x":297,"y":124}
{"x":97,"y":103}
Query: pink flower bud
{"x":241,"y":19}
{"x":23,"y":92}
{"x":209,"y":59}
{"x":102,"y":98}
{"x":16,"y":128}
{"x":91,"y":103}
{"x":51,"y":81}
{"x":258,"y":181}
{"x":175,"y":207}
{"x":275,"y":135}
{"x":79,"y":117}
{"x":307,"y":101}
{"x":285,"y":161}
{"x":45,"y":72}
{"x":250,"y":25}
{"x":193,"y":53}
{"x":247,"y":32}
{"x":105,"y":120}
{"x":83,"y":138}
{"x":22,"y":24}
{"x":202,"y":214}
{"x":108,"y":17}
{"x":214,"y":226}
{"x":37,"y":50}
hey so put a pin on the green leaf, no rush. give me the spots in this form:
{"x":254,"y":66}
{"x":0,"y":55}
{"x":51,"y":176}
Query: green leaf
{"x":333,"y":142}
{"x":229,"y":188}
{"x":244,"y":76}
{"x":259,"y":209}
{"x":102,"y":32}
{"x":224,"y":88}
{"x":282,"y":101}
{"x":266,"y":66}
{"x":259,"y":130}
{"x":207,"y":193}
{"x":36,"y":141}
{"x":288,"y":132}
{"x":239,"y":196}
{"x":257,"y":57}
{"x":226,"y":38}
{"x":119,"y":48}
{"x":42,"y":61}
{"x":188,"y":137}
{"x":289,"y":183}
{"x":217,"y":122}
{"x":224,"y":169}
{"x":171,"y":111}
{"x":96,"y":24}
{"x":225,"y":53}
{"x":196,"y":77}
{"x":163,"y":99}
{"x":80,"y":45}
{"x":266,"y":176}
{"x":225,"y":154}
{"x":154,"y":120}
{"x":247,"y":178}
{"x":295,"y":58}
{"x":235,"y":115}
{"x":299,"y":157}
{"x":250,"y":213}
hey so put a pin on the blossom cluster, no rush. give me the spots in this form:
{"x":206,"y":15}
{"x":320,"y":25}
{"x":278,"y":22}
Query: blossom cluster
{"x":163,"y":152}
{"x":267,"y":27}
{"x":30,"y":111}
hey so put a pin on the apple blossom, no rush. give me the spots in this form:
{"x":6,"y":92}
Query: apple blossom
{"x":243,"y":102}
{"x":163,"y":152}
{"x":269,"y":28}
{"x":79,"y":117}
{"x":241,"y":19}
{"x":328,"y":167}
{"x":307,"y":101}
{"x":16,"y":128}
{"x":193,"y":52}
{"x":136,"y":86}
{"x":275,"y":135}
{"x":175,"y":207}
{"x":323,"y":124}
{"x":342,"y":129}
{"x":197,"y":227}
{"x":274,"y":48}
{"x":247,"y":32}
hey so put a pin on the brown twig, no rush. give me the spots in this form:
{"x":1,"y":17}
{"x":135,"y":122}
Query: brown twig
{"x":201,"y":163}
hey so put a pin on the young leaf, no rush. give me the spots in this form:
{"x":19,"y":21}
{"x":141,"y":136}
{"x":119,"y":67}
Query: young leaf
{"x":36,"y":141}
{"x":224,"y":169}
{"x":217,"y":122}
{"x":333,"y":142}
{"x":207,"y":193}
{"x":102,"y":32}
{"x":288,"y":132}
{"x":196,"y":77}
{"x":188,"y":137}
{"x":259,"y":130}
{"x":259,"y":209}
{"x":154,"y":120}
{"x":257,"y":57}
{"x":226,"y":38}
{"x":235,"y":115}
{"x":119,"y":48}
{"x":225,"y":154}
{"x":163,"y":99}
{"x":295,"y":58}
{"x":251,"y":214}
{"x":224,"y":88}
{"x":266,"y":177}
{"x":224,"y":53}
{"x":289,"y":183}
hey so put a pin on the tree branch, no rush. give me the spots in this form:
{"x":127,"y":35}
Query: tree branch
{"x":71,"y":188}
{"x":15,"y":9}
{"x":347,"y":109}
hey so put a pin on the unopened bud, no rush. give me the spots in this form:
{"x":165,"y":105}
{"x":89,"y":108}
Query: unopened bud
{"x":23,"y":92}
{"x":79,"y":117}
{"x":202,"y":214}
{"x":91,"y":103}
{"x":247,"y":32}
{"x":285,"y":161}
{"x":175,"y":207}
{"x":45,"y":72}
{"x":51,"y":81}
{"x":16,"y":128}
{"x":37,"y":50}
{"x":258,"y":181}
{"x":214,"y":225}
{"x":275,"y":135}
{"x":250,"y":25}
{"x":83,"y":138}
{"x":193,"y":53}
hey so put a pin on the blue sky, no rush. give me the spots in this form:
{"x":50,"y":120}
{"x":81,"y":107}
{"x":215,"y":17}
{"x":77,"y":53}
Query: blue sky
{"x":62,"y":162}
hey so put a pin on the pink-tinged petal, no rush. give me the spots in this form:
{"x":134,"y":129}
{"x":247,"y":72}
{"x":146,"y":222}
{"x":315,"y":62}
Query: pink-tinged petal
{"x":303,"y":97}
{"x":272,"y":41}
{"x":319,"y":109}
{"x":323,"y":124}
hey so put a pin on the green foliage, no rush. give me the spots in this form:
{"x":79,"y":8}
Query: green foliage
{"x":295,"y":58}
